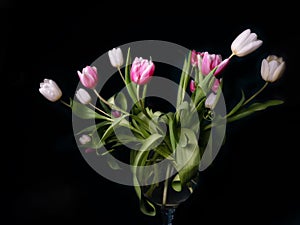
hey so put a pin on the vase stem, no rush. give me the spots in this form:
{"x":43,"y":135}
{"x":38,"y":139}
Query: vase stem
{"x":168,"y":215}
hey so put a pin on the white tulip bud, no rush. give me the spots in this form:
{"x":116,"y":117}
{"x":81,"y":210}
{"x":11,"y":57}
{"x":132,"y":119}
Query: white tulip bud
{"x":84,"y":139}
{"x":272,"y":68}
{"x":50,"y":90}
{"x":245,"y":43}
{"x":210,"y":101}
{"x":83,"y":96}
{"x":116,"y":57}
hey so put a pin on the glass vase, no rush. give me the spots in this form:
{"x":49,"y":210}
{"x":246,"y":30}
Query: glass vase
{"x":166,"y":199}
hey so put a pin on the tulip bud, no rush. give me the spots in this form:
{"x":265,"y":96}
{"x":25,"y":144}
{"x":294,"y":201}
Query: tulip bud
{"x":116,"y":113}
{"x":141,"y":71}
{"x":192,"y":86}
{"x":84,"y":139}
{"x":245,"y":43}
{"x":83,"y":96}
{"x":88,"y":77}
{"x":50,"y":90}
{"x":210,"y":101}
{"x":116,"y":57}
{"x":272,"y":68}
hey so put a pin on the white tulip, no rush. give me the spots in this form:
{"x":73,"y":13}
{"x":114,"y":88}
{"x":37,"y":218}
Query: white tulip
{"x":116,"y":57}
{"x":50,"y":90}
{"x":210,"y":101}
{"x":84,"y":139}
{"x":272,"y":68}
{"x":83,"y":96}
{"x":245,"y":43}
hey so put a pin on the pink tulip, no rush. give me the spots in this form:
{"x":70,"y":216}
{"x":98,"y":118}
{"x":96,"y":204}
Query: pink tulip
{"x":192,"y":86}
{"x":88,"y":77}
{"x":210,"y":61}
{"x":141,"y":71}
{"x":195,"y":58}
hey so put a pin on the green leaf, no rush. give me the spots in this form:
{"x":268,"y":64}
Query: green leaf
{"x":111,"y":128}
{"x":112,"y":162}
{"x":131,"y":87}
{"x":172,"y":134}
{"x":253,"y":108}
{"x":121,"y":101}
{"x":187,"y":158}
{"x":176,"y":183}
{"x":151,"y":142}
{"x":208,"y":81}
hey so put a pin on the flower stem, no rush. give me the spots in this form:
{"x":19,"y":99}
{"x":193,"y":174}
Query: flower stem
{"x":100,"y":110}
{"x":63,"y":102}
{"x":259,"y":91}
{"x":112,"y":106}
{"x":121,"y":75}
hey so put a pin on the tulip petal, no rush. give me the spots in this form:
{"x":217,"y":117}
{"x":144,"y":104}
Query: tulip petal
{"x":278,"y":72}
{"x":264,"y":70}
{"x":239,"y":40}
{"x":250,"y":47}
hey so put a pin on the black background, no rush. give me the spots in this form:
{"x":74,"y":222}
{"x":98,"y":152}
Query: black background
{"x":253,"y":180}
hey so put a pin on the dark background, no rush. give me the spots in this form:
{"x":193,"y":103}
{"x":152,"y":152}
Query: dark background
{"x":253,"y":180}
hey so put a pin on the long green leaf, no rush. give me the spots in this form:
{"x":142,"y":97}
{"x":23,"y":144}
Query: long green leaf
{"x":254,"y":108}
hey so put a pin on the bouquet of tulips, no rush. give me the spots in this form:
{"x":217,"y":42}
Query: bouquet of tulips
{"x":181,"y":137}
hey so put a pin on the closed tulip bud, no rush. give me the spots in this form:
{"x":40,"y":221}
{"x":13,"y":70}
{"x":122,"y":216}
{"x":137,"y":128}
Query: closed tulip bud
{"x":192,"y":86}
{"x":84,"y":139}
{"x":50,"y":90}
{"x":116,"y":113}
{"x":272,"y":68}
{"x":83,"y":96}
{"x":141,"y":71}
{"x":116,"y":57}
{"x":210,"y":101}
{"x":245,"y":43}
{"x":88,"y":77}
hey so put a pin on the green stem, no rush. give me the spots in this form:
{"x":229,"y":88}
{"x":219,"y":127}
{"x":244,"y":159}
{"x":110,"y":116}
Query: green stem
{"x":121,"y":75}
{"x":112,"y":106}
{"x":253,"y":96}
{"x":63,"y":102}
{"x":165,"y":192}
{"x":100,"y":111}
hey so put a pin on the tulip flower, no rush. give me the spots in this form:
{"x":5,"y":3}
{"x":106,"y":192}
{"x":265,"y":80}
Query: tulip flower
{"x":210,"y":61}
{"x":116,"y":57}
{"x":88,"y":77}
{"x":192,"y":86}
{"x":50,"y":90}
{"x":245,"y":43}
{"x":210,"y":101}
{"x":83,"y":96}
{"x":84,"y":139}
{"x":141,"y":70}
{"x":272,"y":68}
